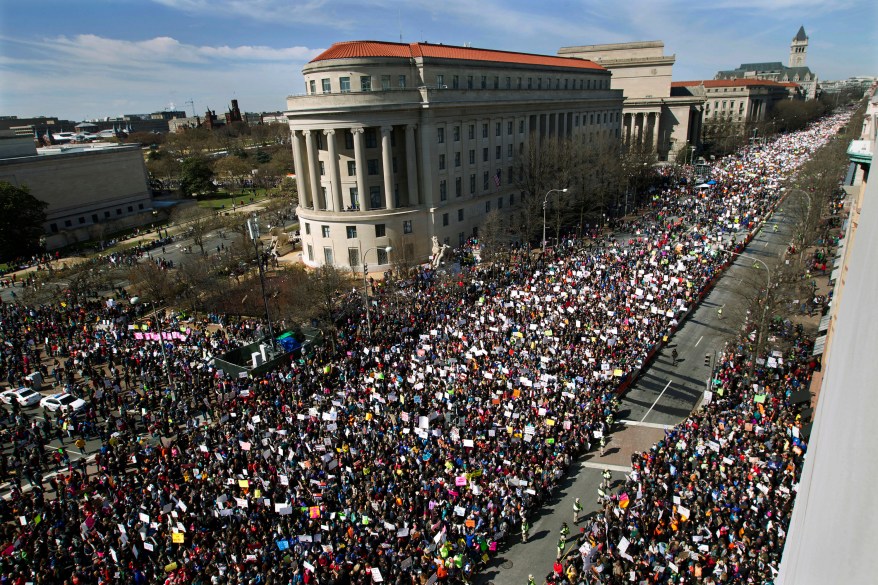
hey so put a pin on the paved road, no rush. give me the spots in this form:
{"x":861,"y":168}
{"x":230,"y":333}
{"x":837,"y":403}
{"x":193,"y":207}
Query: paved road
{"x":662,"y":397}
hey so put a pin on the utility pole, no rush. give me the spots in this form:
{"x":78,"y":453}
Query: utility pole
{"x":253,"y":230}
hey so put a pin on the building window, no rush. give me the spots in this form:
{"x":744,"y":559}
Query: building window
{"x":313,"y":86}
{"x":375,"y":199}
{"x":130,"y":209}
{"x":512,"y":199}
{"x":455,"y":82}
{"x":307,"y":229}
{"x":509,"y":150}
{"x":106,"y":215}
{"x":371,"y":138}
{"x":140,"y":206}
{"x":382,"y":256}
{"x":440,"y":135}
{"x":355,"y":198}
{"x":485,"y":154}
{"x":521,"y":126}
{"x":354,"y":257}
{"x":461,"y":238}
{"x":456,"y":133}
{"x":53,"y":228}
{"x":458,"y":190}
{"x":472,"y":156}
{"x":310,"y":253}
{"x":344,"y":84}
{"x":322,"y":168}
{"x":443,"y":190}
{"x":351,"y":231}
{"x":327,"y":85}
{"x":68,"y":223}
{"x":441,"y":162}
{"x":484,"y":130}
{"x":444,"y":219}
{"x":472,"y":184}
{"x":82,"y":219}
{"x":407,"y":226}
{"x":365,"y":83}
{"x":456,"y":159}
{"x":325,"y":230}
{"x":472,"y":131}
{"x":401,"y":82}
{"x":530,"y":82}
{"x":327,"y":256}
{"x":496,"y":82}
{"x":509,"y":175}
{"x":385,"y":82}
{"x":440,"y":81}
{"x":460,"y":215}
{"x":484,"y":82}
{"x":349,"y":140}
{"x":372,"y":166}
{"x":469,"y":81}
{"x":497,"y":128}
{"x":499,"y":203}
{"x":498,"y":152}
{"x":488,"y":206}
{"x":509,"y":128}
{"x":380,"y":230}
{"x":485,"y":181}
{"x":508,"y":83}
{"x":352,"y":168}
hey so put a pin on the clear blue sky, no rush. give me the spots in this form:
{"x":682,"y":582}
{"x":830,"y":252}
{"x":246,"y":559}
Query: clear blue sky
{"x":80,"y":59}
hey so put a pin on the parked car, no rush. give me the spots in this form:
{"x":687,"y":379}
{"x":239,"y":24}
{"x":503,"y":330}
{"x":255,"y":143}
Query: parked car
{"x":24,"y":396}
{"x":63,"y":401}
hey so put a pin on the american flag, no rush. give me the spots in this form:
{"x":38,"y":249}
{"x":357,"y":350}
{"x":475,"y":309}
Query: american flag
{"x":497,"y":179}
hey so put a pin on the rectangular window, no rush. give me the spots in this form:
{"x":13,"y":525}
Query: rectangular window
{"x":354,"y":257}
{"x":307,"y":229}
{"x":497,"y":128}
{"x":485,"y":154}
{"x":351,"y":232}
{"x":352,"y":168}
{"x":461,"y":238}
{"x":521,"y":126}
{"x":327,"y":85}
{"x":355,"y":199}
{"x":509,"y":128}
{"x":371,"y":138}
{"x":539,"y":83}
{"x":344,"y":84}
{"x":444,"y":219}
{"x":499,"y":203}
{"x":380,"y":230}
{"x":472,"y":156}
{"x":455,"y":82}
{"x":458,"y":187}
{"x":469,"y":81}
{"x":456,"y":133}
{"x":497,"y":152}
{"x":488,"y":206}
{"x":496,"y":82}
{"x":407,"y":226}
{"x":365,"y":83}
{"x":349,"y":140}
{"x":376,"y":201}
{"x":106,"y":215}
{"x":484,"y":82}
{"x":440,"y":81}
{"x":508,"y":83}
{"x":325,"y":230}
{"x":512,"y":199}
{"x":472,"y":184}
{"x":518,"y":84}
{"x":382,"y":256}
{"x":460,"y":215}
{"x":530,"y":82}
{"x":313,"y":85}
{"x":372,"y":166}
{"x":509,"y":150}
{"x":67,"y":223}
{"x":441,"y":162}
{"x":484,"y":130}
{"x":443,"y":190}
{"x":485,"y":181}
{"x":401,"y":82}
{"x":310,"y":253}
{"x":456,"y":159}
{"x":385,"y":82}
{"x":472,"y":131}
{"x":509,"y":175}
{"x":327,"y":256}
{"x":440,"y":135}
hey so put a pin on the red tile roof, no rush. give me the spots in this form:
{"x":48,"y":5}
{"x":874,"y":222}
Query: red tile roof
{"x":727,"y":83}
{"x":355,"y":49}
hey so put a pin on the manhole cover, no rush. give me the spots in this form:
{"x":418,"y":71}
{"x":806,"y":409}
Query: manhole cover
{"x":507,"y":565}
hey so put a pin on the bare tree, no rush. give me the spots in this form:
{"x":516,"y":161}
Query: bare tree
{"x":197,"y":222}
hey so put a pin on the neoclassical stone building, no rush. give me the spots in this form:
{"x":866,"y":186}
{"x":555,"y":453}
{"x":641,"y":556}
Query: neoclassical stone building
{"x":395,"y":144}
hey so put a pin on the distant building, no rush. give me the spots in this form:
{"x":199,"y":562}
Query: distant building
{"x":796,"y":72}
{"x":740,"y":101}
{"x":652,"y":115}
{"x":862,"y":82}
{"x":397,"y":144}
{"x":88,"y":187}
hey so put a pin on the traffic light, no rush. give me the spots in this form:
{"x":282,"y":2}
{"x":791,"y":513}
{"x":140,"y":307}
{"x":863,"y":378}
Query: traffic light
{"x":707,"y":360}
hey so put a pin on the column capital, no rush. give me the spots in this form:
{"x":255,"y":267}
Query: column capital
{"x":329,"y":132}
{"x":386,"y":129}
{"x":358,"y":130}
{"x":307,"y":133}
{"x":411,"y":126}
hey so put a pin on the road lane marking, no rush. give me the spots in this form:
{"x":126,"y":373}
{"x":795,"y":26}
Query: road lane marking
{"x":634,"y":423}
{"x":619,"y":468}
{"x":699,"y":341}
{"x":656,"y":401}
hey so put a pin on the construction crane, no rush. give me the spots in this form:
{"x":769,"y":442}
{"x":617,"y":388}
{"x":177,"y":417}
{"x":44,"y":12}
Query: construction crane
{"x":191,"y":103}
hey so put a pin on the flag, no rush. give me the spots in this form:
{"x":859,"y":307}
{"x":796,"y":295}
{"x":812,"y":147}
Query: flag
{"x":497,"y":179}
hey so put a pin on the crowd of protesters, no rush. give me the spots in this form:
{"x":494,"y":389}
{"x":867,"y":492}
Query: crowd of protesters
{"x":408,"y":455}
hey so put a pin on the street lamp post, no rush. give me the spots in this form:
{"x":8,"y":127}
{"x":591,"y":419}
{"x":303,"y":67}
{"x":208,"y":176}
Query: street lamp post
{"x":253,"y":229}
{"x":366,"y":285}
{"x":545,"y":203}
{"x":765,"y":306}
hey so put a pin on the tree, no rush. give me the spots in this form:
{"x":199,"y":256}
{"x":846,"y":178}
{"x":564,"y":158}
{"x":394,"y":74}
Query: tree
{"x":21,"y":221}
{"x":234,"y":168}
{"x":196,"y":176}
{"x":197,"y":222}
{"x":164,"y":167}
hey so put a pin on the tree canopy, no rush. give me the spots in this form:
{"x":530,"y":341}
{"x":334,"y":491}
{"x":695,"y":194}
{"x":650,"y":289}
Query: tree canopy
{"x":196,"y":176}
{"x":21,"y":221}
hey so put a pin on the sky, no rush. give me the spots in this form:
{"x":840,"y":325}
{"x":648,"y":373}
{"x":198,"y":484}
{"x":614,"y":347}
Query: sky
{"x":85,"y":59}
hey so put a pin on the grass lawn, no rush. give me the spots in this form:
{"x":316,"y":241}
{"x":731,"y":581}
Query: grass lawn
{"x":225,"y":201}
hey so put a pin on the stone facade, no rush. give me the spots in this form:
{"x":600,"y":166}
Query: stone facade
{"x":741,"y":101}
{"x":653,"y":117}
{"x":394,"y":144}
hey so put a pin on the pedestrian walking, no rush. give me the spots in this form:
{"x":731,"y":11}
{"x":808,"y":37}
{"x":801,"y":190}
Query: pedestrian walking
{"x":577,"y":509}
{"x":603,"y":445}
{"x":607,"y":476}
{"x":525,"y":530}
{"x":674,"y":356}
